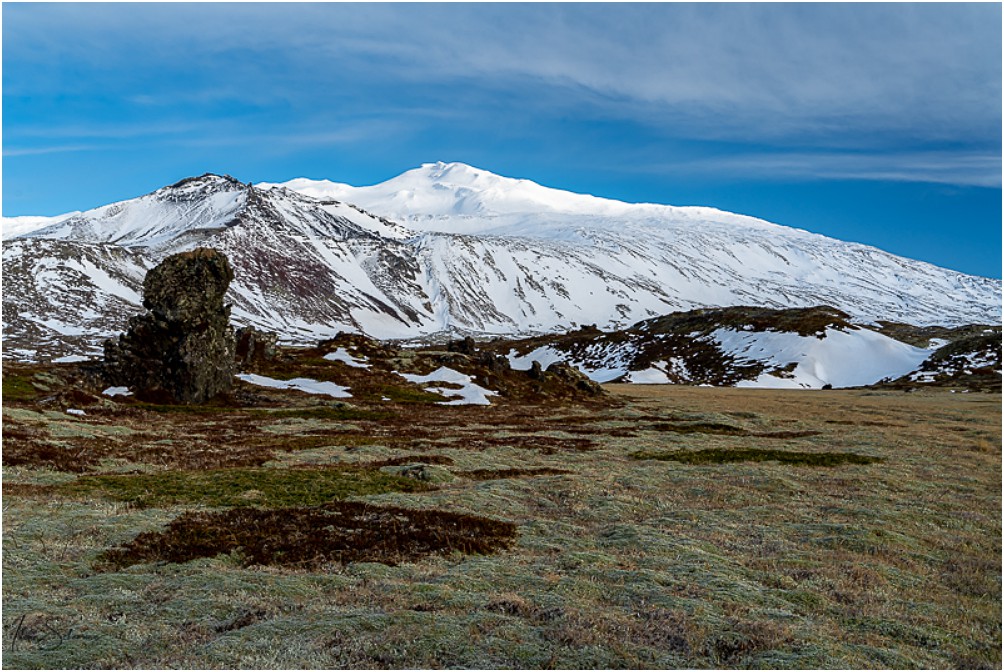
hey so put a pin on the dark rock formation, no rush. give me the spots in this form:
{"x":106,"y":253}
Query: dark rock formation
{"x":182,"y":350}
{"x":255,"y":347}
{"x":572,"y":377}
{"x":466,"y":346}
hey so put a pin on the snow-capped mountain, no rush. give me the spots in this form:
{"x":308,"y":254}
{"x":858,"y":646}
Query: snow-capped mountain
{"x":447,"y":248}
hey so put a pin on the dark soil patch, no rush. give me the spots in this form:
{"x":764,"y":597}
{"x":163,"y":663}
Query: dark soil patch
{"x":493,"y":474}
{"x":21,"y":449}
{"x":411,"y":459}
{"x":243,"y":487}
{"x":230,"y":442}
{"x":309,"y":537}
{"x":726,"y":455}
{"x":26,"y":490}
{"x":865,"y":423}
{"x":334,"y":413}
{"x":786,"y":434}
{"x":701,"y":428}
{"x":723,"y":429}
{"x":546,"y":445}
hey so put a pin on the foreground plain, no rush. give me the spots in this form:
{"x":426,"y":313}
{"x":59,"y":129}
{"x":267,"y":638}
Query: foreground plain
{"x":656,"y":528}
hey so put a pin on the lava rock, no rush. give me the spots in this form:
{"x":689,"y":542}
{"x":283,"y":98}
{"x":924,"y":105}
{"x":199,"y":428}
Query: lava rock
{"x":420,"y":471}
{"x":182,"y":350}
{"x":574,"y":377}
{"x":254,"y":346}
{"x":496,"y":364}
{"x":466,"y":346}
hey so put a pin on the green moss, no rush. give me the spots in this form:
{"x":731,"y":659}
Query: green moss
{"x":725,"y":455}
{"x":242,"y":487}
{"x":18,"y":388}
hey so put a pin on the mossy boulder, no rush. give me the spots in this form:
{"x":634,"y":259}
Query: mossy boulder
{"x":182,"y":350}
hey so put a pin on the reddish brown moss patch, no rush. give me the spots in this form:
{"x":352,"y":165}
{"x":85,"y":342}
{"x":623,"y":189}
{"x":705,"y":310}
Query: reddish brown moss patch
{"x":27,"y":490}
{"x":492,"y":474}
{"x":339,"y":532}
{"x":411,"y":459}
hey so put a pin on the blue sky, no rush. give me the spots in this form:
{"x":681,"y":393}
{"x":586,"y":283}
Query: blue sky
{"x":873,"y":123}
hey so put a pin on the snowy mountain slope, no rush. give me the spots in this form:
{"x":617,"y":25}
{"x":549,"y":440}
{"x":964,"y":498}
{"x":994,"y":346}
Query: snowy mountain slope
{"x":12,"y":227}
{"x":189,"y":210}
{"x":532,"y":260}
{"x":61,"y":297}
{"x":685,"y":256}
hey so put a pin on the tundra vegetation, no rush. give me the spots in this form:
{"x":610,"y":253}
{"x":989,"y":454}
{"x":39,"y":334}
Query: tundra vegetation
{"x":558,"y":527}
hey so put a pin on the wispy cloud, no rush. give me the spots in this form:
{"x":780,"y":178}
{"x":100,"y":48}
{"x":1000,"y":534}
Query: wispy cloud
{"x":736,"y":68}
{"x":943,"y":167}
{"x":869,"y":80}
{"x":51,"y":149}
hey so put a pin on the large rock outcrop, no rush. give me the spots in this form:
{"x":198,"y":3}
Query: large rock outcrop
{"x":182,"y":350}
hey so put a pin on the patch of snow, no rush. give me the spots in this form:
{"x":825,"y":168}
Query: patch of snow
{"x":308,"y":385}
{"x":469,"y":393}
{"x":75,"y":411}
{"x":613,"y":367}
{"x":841,"y":358}
{"x":117,"y":392}
{"x":70,"y":359}
{"x":343,"y":356}
{"x":545,"y":354}
{"x":978,"y":360}
{"x":649,"y":376}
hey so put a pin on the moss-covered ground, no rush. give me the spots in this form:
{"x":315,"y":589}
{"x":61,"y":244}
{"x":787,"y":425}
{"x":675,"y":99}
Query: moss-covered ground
{"x":269,"y":533}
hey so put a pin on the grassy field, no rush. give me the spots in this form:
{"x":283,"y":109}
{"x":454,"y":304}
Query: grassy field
{"x":662,"y":527}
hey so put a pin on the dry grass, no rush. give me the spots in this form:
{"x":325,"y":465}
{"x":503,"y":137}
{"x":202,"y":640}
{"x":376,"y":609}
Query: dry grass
{"x":599,"y":560}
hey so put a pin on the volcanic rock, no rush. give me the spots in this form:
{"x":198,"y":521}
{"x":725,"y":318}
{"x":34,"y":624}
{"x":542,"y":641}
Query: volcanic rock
{"x":182,"y":350}
{"x":255,"y":346}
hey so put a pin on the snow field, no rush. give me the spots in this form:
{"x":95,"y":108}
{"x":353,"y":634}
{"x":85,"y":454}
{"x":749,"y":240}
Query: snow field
{"x":841,"y":359}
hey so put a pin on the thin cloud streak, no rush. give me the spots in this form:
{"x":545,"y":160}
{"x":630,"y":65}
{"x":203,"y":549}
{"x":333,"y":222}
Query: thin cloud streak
{"x":961,"y":168}
{"x":56,"y":149}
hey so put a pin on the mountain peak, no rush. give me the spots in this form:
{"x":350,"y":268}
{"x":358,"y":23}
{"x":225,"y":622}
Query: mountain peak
{"x":454,"y":170}
{"x":205,"y":182}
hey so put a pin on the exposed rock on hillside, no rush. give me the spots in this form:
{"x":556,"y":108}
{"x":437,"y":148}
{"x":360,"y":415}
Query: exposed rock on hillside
{"x":255,"y":346}
{"x":972,"y":362}
{"x":182,"y":349}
